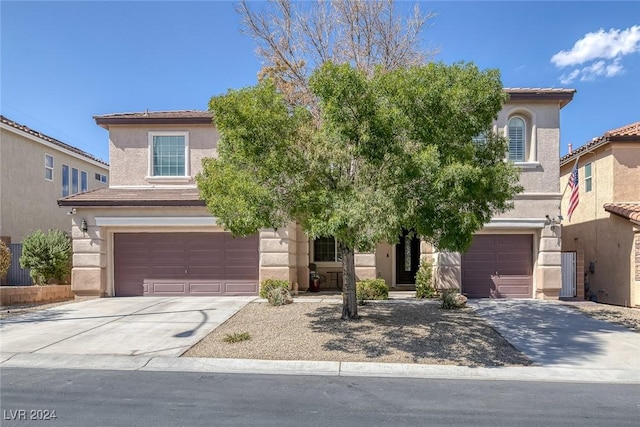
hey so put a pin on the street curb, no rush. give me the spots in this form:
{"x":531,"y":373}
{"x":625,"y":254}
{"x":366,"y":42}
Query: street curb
{"x":321,"y":368}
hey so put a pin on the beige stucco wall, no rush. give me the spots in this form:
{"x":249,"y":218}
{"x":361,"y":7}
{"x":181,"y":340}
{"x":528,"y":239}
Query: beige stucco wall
{"x":608,"y":241}
{"x":29,"y":201}
{"x":626,"y":171}
{"x":129,"y":152}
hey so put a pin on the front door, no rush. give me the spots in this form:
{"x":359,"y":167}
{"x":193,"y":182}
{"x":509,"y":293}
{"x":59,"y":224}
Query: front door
{"x":407,"y":258}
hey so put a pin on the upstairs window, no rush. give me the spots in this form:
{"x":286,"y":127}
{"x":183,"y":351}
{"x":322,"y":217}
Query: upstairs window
{"x":587,"y":178}
{"x":100,"y":177}
{"x":74,"y":180}
{"x":48,"y":167}
{"x":517,"y":141}
{"x":325,"y":249}
{"x":84,"y":181}
{"x":168,"y":154}
{"x":65,"y":180}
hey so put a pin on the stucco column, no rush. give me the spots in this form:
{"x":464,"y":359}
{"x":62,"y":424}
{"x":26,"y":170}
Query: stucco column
{"x":447,"y":270}
{"x":549,"y":264}
{"x":88,"y":275}
{"x":365,"y":264}
{"x":278,"y":254}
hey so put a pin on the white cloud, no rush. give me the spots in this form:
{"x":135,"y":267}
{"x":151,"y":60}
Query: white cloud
{"x":602,"y":51}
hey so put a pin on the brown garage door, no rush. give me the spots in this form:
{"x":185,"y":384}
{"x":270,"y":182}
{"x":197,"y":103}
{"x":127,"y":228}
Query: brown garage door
{"x":164,"y":264}
{"x":498,"y":266}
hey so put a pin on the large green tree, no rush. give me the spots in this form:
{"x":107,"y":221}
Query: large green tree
{"x":396,"y":149}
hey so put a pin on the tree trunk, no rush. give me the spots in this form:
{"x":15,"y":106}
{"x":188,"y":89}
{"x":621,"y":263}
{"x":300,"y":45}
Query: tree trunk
{"x":349,"y":300}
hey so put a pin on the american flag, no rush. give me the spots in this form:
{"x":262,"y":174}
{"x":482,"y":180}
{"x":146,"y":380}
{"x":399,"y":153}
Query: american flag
{"x":575,"y":193}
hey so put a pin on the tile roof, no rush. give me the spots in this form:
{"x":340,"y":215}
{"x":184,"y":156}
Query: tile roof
{"x":628,"y":210}
{"x":155,"y":117}
{"x":540,"y":90}
{"x":630,"y":132}
{"x":49,"y":139}
{"x":562,"y":95}
{"x":188,"y":196}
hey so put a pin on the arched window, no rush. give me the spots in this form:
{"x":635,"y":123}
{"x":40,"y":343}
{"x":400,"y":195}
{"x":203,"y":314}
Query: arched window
{"x":516,"y":139}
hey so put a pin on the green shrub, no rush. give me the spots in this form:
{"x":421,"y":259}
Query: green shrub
{"x":5,"y":259}
{"x":237,"y":337}
{"x":47,"y":255}
{"x":267,"y":285}
{"x":372,"y":289}
{"x":279,"y":296}
{"x":452,"y":299}
{"x":424,"y":280}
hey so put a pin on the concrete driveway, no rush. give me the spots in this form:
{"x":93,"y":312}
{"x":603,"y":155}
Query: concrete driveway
{"x":153,"y":326}
{"x":553,"y":334}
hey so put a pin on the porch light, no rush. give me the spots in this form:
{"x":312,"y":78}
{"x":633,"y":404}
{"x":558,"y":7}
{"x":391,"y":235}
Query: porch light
{"x":83,"y":226}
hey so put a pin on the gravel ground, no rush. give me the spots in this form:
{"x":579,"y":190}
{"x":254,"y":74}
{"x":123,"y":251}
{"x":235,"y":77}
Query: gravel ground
{"x":397,"y":332}
{"x":625,"y":316}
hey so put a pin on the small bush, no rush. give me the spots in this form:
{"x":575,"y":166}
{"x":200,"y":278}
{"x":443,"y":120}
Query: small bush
{"x":267,"y":285}
{"x":237,"y":337}
{"x":424,"y":280}
{"x":47,"y":255}
{"x":5,"y":259}
{"x":372,"y":289}
{"x":279,"y":296}
{"x":452,"y":299}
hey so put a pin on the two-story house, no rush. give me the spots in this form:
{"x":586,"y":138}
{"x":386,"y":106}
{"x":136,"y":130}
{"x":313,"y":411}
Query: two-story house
{"x":35,"y":171}
{"x":604,"y":227}
{"x":150,"y":234}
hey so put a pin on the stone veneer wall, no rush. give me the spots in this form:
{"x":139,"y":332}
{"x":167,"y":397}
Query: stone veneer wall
{"x":11,"y":295}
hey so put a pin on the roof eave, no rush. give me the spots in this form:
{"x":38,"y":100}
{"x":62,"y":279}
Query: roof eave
{"x":129,"y":203}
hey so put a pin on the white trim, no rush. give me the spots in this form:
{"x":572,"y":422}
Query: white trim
{"x":168,"y":178}
{"x":516,"y":223}
{"x":527,"y":165}
{"x":158,"y":186}
{"x":187,"y":160}
{"x":160,"y":221}
{"x":54,"y":146}
{"x":538,"y":196}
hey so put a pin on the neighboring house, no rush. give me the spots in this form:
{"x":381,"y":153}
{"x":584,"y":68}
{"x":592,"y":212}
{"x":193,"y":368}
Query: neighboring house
{"x":150,"y":234}
{"x":605,"y":226}
{"x":35,"y":171}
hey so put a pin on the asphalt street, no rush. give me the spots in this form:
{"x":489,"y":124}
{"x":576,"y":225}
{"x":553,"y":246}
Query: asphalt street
{"x":123,"y":398}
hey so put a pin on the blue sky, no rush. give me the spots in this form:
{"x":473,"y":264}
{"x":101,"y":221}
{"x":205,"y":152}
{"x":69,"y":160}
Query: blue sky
{"x":64,"y":62}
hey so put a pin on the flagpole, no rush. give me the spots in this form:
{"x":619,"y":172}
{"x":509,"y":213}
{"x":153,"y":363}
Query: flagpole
{"x":575,"y":165}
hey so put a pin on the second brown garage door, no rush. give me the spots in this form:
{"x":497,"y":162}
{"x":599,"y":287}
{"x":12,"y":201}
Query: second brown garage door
{"x":498,"y":266}
{"x":165,"y":264}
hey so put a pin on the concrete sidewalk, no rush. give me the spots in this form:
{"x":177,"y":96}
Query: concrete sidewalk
{"x":149,"y":334}
{"x":165,"y":326}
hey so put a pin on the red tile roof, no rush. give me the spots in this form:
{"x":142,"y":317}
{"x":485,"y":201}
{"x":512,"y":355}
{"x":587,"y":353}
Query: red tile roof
{"x":626,"y":133}
{"x":155,"y":117}
{"x":628,"y":210}
{"x":189,"y":196}
{"x":49,"y":139}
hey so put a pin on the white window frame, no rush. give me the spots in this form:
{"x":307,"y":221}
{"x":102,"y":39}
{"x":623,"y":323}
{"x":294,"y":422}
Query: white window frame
{"x":524,"y":139}
{"x":48,"y":168}
{"x":187,"y":171}
{"x":588,"y":179}
{"x":86,"y":181}
{"x":312,"y":255}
